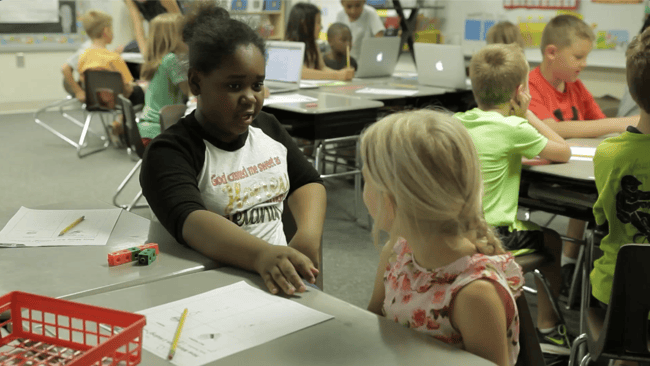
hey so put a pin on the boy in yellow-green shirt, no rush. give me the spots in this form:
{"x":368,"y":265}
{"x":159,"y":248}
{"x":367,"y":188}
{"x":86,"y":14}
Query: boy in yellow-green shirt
{"x":503,"y":131}
{"x":622,"y":173}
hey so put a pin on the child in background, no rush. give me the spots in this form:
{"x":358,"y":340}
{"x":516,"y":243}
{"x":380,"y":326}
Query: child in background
{"x":363,"y":20}
{"x":145,"y":10}
{"x":165,"y":68}
{"x":622,"y":172}
{"x":560,"y":100}
{"x":506,"y":33}
{"x":558,"y":97}
{"x":99,"y":27}
{"x":304,"y":26}
{"x":69,"y":67}
{"x":217,"y":180}
{"x":340,"y":39}
{"x":504,"y":131}
{"x":443,"y":271}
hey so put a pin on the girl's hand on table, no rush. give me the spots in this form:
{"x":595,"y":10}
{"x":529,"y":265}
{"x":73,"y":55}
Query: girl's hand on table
{"x":279,"y":267}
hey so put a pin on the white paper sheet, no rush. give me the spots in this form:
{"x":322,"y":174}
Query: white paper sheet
{"x":34,"y":228}
{"x":304,"y":84}
{"x":583,"y":151}
{"x":580,"y":158}
{"x":289,"y":98}
{"x":405,"y":75}
{"x":222,"y":322}
{"x":133,"y":57}
{"x":386,"y":91}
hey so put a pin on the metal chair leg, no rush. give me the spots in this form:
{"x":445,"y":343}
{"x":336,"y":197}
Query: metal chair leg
{"x":317,"y":158}
{"x":577,"y":343}
{"x":585,"y":360}
{"x":124,"y":182}
{"x":135,"y":200}
{"x":530,"y":290}
{"x":82,"y":139}
{"x":573,"y":289}
{"x":60,"y":105}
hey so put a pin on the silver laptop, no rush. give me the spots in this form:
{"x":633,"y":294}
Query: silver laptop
{"x":440,"y":65}
{"x":378,"y":57}
{"x":284,"y":65}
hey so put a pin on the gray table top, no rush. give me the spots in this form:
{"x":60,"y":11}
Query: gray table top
{"x":350,"y":88}
{"x":354,"y":337}
{"x":70,"y":272}
{"x":326,"y":103}
{"x":581,"y":170}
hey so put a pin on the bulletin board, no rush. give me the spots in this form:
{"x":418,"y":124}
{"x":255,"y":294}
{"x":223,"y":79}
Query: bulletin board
{"x":541,"y":4}
{"x":618,"y":1}
{"x":62,"y":35}
{"x":614,"y":24}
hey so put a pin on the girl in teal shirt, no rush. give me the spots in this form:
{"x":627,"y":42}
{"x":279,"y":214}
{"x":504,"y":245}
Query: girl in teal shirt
{"x":166,"y":70}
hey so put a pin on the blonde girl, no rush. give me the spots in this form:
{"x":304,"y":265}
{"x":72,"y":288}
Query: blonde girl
{"x":443,"y":270}
{"x":166,"y":70}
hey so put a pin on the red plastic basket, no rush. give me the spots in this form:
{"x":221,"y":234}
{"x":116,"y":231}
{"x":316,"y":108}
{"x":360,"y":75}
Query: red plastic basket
{"x":47,"y":331}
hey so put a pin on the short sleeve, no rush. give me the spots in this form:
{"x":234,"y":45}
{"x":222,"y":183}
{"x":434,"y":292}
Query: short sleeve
{"x":73,"y":61}
{"x":537,"y":104}
{"x":599,"y":213}
{"x":175,"y":69}
{"x":376,"y":25}
{"x":118,"y":64}
{"x":599,"y":176}
{"x":591,"y":109}
{"x":527,"y":141}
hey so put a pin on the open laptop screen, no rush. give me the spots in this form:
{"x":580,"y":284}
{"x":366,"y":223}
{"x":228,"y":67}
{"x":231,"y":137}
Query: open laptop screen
{"x":284,"y":61}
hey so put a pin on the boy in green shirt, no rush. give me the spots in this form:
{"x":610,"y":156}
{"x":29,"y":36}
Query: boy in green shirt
{"x":504,"y":131}
{"x":622,"y":172}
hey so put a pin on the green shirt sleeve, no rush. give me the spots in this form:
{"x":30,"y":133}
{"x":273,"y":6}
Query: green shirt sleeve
{"x":526,"y":140}
{"x":176,"y":71}
{"x":602,"y":168}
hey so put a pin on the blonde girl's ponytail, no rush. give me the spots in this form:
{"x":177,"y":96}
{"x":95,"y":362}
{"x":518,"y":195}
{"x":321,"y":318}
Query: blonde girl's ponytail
{"x":487,"y":242}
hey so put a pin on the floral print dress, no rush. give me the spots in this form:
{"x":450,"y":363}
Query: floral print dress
{"x":420,"y":299}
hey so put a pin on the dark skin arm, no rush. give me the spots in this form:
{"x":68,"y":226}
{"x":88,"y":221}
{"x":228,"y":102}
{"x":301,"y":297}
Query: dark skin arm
{"x":218,"y":238}
{"x":308,"y":204}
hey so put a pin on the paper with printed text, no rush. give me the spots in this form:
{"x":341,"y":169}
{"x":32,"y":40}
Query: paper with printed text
{"x":35,"y":228}
{"x":222,"y":322}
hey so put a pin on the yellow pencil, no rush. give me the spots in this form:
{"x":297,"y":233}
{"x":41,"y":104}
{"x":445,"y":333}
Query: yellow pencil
{"x":347,"y":54}
{"x":177,"y":335}
{"x":75,"y":223}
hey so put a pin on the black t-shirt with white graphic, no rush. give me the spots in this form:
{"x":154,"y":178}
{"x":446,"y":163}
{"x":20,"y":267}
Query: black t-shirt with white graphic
{"x":184,"y":169}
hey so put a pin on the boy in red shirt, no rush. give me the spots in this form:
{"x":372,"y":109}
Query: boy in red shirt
{"x":560,"y":100}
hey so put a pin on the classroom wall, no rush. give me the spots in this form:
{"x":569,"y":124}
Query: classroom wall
{"x":600,"y":81}
{"x":39,"y":82}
